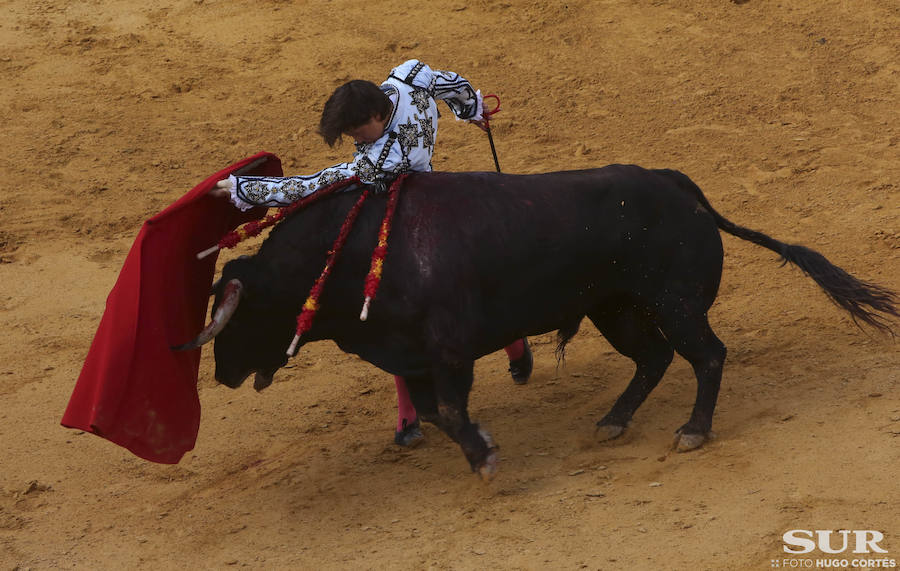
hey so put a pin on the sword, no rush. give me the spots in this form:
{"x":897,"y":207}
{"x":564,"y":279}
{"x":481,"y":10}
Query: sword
{"x":487,"y":125}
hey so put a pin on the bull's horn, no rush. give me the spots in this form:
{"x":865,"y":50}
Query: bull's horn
{"x":230,"y":299}
{"x":218,"y":282}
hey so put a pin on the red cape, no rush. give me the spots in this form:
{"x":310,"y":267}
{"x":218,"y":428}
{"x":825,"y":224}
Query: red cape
{"x":133,"y":389}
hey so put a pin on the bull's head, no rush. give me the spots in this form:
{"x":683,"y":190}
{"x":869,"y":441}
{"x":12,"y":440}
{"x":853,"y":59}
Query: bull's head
{"x":250,"y":334}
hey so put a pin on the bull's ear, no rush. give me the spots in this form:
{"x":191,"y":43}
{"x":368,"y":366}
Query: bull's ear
{"x":243,"y":268}
{"x":219,"y":283}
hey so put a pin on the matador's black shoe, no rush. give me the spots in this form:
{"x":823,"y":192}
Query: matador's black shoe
{"x":410,"y":436}
{"x":520,"y":369}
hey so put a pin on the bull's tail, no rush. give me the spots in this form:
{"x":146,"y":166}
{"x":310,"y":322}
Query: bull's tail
{"x":867,"y":302}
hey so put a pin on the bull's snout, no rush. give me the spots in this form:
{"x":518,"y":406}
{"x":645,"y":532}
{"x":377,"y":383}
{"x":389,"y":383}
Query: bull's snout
{"x":260,"y":381}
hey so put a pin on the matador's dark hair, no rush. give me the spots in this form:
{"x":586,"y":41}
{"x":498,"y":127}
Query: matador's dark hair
{"x":350,"y":106}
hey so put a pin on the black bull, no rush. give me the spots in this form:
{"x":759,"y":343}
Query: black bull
{"x":477,"y":260}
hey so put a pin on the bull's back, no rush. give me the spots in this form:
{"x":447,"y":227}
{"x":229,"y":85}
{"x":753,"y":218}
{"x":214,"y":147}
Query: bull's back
{"x":557,"y":242}
{"x":612,"y":211}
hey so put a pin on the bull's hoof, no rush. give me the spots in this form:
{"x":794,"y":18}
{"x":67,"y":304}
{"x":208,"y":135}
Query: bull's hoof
{"x":411,"y":435}
{"x":608,"y":432}
{"x":488,"y":469}
{"x":687,"y":442}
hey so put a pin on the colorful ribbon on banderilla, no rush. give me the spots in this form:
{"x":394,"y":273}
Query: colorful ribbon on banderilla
{"x":373,"y":279}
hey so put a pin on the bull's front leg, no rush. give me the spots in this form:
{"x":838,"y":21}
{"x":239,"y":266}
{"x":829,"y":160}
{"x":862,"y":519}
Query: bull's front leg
{"x":449,"y":412}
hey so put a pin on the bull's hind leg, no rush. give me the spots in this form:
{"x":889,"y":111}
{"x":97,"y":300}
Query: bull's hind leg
{"x":693,"y":338}
{"x":632,"y":333}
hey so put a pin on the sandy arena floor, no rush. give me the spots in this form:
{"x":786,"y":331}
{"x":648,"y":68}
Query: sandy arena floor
{"x":786,"y":114}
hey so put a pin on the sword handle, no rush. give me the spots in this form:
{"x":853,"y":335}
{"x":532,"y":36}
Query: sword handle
{"x":487,"y":114}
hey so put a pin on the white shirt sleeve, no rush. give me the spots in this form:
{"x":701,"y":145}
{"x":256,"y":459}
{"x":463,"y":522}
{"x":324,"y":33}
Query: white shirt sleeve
{"x":250,"y":191}
{"x":464,"y":101}
{"x":371,"y":163}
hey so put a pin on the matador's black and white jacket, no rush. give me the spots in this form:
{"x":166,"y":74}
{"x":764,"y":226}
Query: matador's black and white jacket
{"x":406,"y":145}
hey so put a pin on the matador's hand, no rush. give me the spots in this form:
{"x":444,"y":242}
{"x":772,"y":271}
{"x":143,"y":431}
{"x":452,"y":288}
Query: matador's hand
{"x":222,"y":189}
{"x":482,"y":124}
